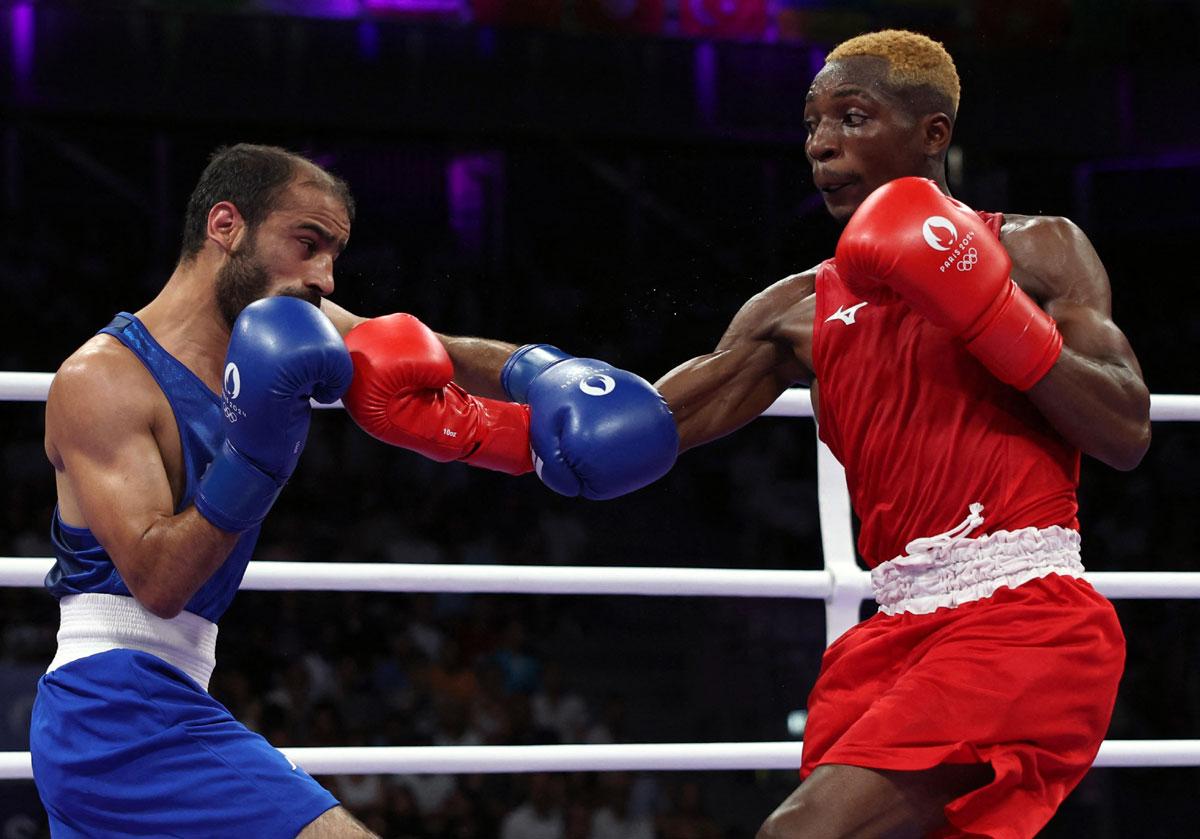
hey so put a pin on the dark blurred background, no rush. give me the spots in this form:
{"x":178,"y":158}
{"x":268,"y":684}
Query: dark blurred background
{"x":615,"y":177}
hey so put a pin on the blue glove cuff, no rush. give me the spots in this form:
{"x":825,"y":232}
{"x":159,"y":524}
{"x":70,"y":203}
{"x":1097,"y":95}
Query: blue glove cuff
{"x":525,"y":365}
{"x":235,"y":494}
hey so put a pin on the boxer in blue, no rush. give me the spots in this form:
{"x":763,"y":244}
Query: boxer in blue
{"x":172,"y":432}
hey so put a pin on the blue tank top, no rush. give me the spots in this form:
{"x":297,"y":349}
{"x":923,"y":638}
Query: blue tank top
{"x":82,"y":564}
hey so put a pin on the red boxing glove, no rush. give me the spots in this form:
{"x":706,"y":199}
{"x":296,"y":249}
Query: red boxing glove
{"x":909,"y":240}
{"x":402,"y":394}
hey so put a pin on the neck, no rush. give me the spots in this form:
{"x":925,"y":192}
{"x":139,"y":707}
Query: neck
{"x":185,"y":320}
{"x":938,"y":176}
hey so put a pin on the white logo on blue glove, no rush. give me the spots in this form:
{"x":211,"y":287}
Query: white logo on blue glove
{"x":233,"y":380}
{"x":597,"y":385}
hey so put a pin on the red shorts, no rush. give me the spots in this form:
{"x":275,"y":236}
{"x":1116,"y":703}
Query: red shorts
{"x":1024,"y":680}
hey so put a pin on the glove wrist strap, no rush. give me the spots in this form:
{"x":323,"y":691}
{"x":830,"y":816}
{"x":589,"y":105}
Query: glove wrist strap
{"x":525,"y":365}
{"x":1020,"y":344}
{"x":234,"y":494}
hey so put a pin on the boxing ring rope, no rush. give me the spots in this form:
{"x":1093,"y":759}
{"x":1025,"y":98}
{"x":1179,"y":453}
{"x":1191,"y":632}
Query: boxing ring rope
{"x":634,"y":757}
{"x":842,"y":584}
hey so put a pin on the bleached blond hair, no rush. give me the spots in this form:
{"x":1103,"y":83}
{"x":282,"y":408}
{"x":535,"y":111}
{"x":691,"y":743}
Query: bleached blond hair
{"x":914,"y":61}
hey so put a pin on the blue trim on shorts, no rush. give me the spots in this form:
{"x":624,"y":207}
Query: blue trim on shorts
{"x":124,"y":744}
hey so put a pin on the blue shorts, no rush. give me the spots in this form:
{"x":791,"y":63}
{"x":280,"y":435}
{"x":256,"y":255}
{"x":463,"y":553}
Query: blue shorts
{"x":125,"y":744}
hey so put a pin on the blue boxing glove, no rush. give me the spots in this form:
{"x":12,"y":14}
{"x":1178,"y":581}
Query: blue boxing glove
{"x":596,"y":431}
{"x":282,"y":352}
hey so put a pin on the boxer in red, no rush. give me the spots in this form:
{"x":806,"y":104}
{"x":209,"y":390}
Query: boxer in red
{"x":959,"y":363}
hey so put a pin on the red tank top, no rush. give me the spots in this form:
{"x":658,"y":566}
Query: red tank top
{"x":924,"y":429}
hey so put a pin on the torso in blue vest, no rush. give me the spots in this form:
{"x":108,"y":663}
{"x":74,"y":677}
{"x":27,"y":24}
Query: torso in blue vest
{"x":82,"y":563}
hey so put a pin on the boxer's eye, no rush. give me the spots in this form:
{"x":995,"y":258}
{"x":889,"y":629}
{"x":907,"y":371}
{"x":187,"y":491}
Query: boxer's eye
{"x":854,"y":120}
{"x":310,"y":247}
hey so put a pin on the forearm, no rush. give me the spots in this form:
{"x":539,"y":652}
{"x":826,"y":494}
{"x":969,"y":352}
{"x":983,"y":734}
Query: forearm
{"x":477,"y":363}
{"x":1100,"y":406}
{"x":714,"y":395}
{"x":172,"y":559}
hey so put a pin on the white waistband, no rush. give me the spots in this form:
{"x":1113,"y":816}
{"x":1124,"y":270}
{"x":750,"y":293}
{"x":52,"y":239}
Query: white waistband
{"x":96,"y":623}
{"x":936,"y":574}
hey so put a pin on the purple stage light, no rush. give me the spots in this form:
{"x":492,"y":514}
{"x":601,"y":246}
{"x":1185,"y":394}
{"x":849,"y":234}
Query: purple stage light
{"x":21,"y":15}
{"x":705,"y":63}
{"x":414,"y":7}
{"x":816,"y":59}
{"x":473,"y":185}
{"x":313,"y":8}
{"x":368,"y":40}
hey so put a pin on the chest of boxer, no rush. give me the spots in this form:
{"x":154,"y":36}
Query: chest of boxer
{"x":924,"y":430}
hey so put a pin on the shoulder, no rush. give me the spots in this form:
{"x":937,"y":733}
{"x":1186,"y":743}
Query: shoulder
{"x":794,"y":287}
{"x":100,"y":365}
{"x":779,"y":301}
{"x":101,"y":388}
{"x":779,"y":317}
{"x":1052,"y":256}
{"x":1031,"y":235}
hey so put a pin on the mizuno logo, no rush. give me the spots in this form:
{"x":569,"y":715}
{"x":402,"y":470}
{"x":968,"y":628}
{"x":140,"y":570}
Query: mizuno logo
{"x":846,"y":316}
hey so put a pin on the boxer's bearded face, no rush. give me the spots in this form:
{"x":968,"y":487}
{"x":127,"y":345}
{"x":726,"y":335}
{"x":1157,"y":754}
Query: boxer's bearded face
{"x":241,"y":280}
{"x":245,"y":278}
{"x":289,"y":253}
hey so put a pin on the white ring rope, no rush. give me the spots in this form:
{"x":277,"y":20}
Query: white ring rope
{"x":841,"y":584}
{"x":578,"y":579}
{"x":795,"y":402}
{"x":631,"y":757}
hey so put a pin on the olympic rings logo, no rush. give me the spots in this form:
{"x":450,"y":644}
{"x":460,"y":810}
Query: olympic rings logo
{"x":969,"y":259}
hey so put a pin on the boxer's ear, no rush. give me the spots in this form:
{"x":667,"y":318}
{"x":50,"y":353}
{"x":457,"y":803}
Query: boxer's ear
{"x":226,"y":227}
{"x":936,"y":132}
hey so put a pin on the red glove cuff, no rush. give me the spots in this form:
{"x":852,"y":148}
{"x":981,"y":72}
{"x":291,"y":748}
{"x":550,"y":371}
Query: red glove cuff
{"x":1019,"y":342}
{"x":503,"y":444}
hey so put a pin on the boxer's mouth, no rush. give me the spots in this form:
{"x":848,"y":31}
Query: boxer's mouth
{"x":831,"y":184}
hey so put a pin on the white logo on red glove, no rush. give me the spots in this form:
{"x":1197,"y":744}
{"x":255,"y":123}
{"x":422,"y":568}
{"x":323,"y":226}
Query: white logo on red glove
{"x":597,"y":385}
{"x":233,"y":380}
{"x":939,"y":223}
{"x":969,"y":259}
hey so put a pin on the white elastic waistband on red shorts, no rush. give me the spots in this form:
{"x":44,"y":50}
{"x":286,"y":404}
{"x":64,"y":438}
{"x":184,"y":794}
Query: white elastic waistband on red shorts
{"x":96,"y":623}
{"x":949,"y":570}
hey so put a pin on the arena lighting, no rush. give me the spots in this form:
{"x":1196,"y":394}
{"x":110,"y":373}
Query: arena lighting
{"x":797,"y":721}
{"x":342,"y":9}
{"x":312,"y":8}
{"x":420,"y":7}
{"x":21,"y":17}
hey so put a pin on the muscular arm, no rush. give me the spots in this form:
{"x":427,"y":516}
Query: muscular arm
{"x":766,"y":348}
{"x":1094,"y":395}
{"x":112,"y":479}
{"x":477,"y":361}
